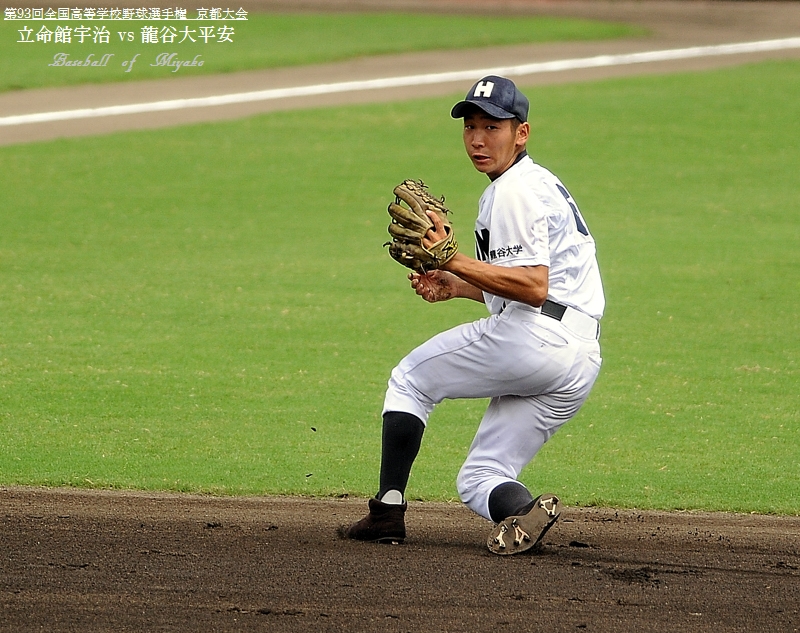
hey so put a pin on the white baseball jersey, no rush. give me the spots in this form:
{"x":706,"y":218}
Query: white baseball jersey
{"x":539,"y":224}
{"x":536,"y":369}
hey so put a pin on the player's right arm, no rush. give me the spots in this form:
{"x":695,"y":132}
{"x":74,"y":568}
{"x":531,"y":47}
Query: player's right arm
{"x":527,"y":284}
{"x":439,"y":285}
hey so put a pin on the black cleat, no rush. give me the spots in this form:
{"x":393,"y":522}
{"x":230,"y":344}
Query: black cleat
{"x":385,"y":523}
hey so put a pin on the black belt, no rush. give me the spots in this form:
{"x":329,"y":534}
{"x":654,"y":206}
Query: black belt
{"x":553,"y":310}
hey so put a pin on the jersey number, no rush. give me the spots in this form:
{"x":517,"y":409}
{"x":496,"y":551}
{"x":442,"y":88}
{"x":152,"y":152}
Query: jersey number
{"x":578,"y":219}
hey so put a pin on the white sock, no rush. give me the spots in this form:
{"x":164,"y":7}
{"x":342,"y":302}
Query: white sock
{"x":392,"y":497}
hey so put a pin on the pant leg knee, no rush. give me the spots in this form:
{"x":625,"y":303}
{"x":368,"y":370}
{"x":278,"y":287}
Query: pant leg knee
{"x":474,"y":485}
{"x":403,"y":395}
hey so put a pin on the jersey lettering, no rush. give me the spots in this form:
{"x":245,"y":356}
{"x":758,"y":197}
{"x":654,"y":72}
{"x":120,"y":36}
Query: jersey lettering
{"x":578,"y":219}
{"x":482,"y":244}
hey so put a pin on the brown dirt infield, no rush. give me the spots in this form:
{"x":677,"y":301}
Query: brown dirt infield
{"x":121,"y":561}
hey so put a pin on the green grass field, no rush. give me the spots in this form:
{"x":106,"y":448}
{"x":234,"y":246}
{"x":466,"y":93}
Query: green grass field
{"x":200,"y":308}
{"x":263,"y":41}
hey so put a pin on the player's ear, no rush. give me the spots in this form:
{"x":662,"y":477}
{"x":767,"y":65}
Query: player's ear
{"x":523,"y":133}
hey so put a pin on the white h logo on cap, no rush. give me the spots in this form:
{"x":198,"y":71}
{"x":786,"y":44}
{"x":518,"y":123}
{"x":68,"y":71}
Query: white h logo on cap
{"x":484,"y":89}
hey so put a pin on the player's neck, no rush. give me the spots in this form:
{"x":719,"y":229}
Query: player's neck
{"x":522,"y":154}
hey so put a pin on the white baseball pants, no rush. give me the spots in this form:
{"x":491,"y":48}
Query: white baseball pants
{"x":536,"y":370}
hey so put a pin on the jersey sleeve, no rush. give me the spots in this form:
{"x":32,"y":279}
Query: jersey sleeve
{"x":519,"y":235}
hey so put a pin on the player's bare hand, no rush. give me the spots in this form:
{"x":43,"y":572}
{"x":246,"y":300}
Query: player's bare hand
{"x":437,"y":233}
{"x":434,"y":286}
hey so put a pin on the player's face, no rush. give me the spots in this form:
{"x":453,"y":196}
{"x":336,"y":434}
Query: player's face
{"x":493,"y":144}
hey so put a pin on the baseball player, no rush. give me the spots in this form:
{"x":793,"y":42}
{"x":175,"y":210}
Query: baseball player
{"x":536,"y":356}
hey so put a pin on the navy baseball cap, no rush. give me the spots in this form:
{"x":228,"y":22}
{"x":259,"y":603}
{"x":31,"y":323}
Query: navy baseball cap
{"x":496,"y":96}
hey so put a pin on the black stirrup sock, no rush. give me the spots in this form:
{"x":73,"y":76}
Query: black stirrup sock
{"x":402,"y":436}
{"x":509,"y":499}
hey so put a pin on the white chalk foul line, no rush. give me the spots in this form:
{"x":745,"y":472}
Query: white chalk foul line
{"x":409,"y":80}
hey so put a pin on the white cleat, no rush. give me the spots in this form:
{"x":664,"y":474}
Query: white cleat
{"x":541,"y":517}
{"x":498,"y":540}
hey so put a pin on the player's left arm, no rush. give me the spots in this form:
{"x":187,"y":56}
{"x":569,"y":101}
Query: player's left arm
{"x":527,"y":284}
